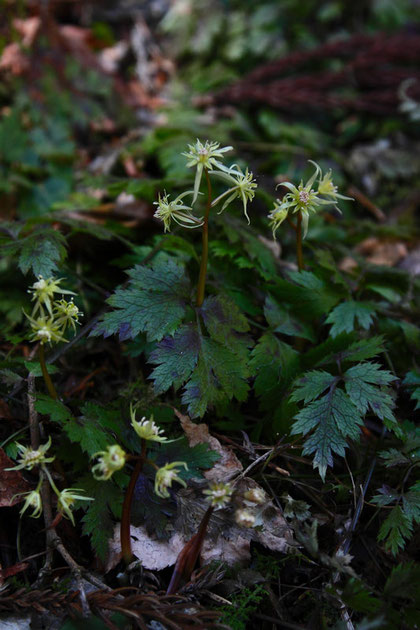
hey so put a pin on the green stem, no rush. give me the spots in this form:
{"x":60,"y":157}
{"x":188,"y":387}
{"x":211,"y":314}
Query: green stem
{"x":205,"y":253}
{"x":47,"y":378}
{"x":125,"y":537}
{"x":299,"y":241}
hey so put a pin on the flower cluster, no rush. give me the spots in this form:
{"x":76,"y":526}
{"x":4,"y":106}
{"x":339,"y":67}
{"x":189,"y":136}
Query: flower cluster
{"x":29,"y":459}
{"x":50,"y":319}
{"x":249,"y":514}
{"x":305,"y":199}
{"x":206,"y":158}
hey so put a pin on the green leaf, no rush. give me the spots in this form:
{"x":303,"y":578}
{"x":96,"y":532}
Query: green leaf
{"x":154,"y":302}
{"x":42,"y":251}
{"x":398,"y":525}
{"x":361,"y":383}
{"x":97,"y":521}
{"x":312,"y":385}
{"x":343,"y":317}
{"x":412,"y":381}
{"x":274,"y":364}
{"x":213,"y":368}
{"x":219,"y":375}
{"x":362,"y":350}
{"x":176,"y":357}
{"x":91,"y":431}
{"x":282,"y":321}
{"x":310,"y":296}
{"x":53,"y":408}
{"x":395,"y":529}
{"x":331,"y":419}
{"x":222,"y":317}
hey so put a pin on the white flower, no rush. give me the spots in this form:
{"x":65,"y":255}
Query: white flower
{"x":66,"y":500}
{"x":29,"y":458}
{"x":166,"y":475}
{"x":67,"y":314}
{"x":146,"y":429}
{"x":242,"y":186}
{"x":33,"y":500}
{"x":109,"y":461}
{"x":204,"y":156}
{"x":177,"y":211}
{"x":244,"y":518}
{"x":43,"y":292}
{"x":219,"y":494}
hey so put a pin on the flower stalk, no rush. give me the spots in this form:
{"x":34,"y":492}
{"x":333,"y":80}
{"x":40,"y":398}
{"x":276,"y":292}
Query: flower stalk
{"x":205,"y":249}
{"x":125,"y":537}
{"x":47,"y":378}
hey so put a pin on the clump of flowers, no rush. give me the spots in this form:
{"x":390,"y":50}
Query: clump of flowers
{"x":29,"y":459}
{"x":305,"y":198}
{"x":207,"y":158}
{"x":50,"y":318}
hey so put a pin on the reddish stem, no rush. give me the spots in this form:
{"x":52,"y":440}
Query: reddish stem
{"x":125,"y":537}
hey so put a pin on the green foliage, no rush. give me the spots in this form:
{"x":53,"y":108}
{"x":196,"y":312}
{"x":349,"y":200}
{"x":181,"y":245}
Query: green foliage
{"x":343,"y":317}
{"x":412,"y":382}
{"x":213,"y":367}
{"x":98,"y":521}
{"x":154,"y":302}
{"x":398,"y":525}
{"x":337,"y":415}
{"x":243,"y":605}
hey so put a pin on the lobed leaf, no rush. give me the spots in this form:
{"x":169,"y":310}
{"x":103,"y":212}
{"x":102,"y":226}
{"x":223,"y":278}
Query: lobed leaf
{"x":154,"y":302}
{"x":344,"y":316}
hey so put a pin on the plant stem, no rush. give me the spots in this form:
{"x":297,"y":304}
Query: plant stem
{"x":47,"y":378}
{"x":205,"y":253}
{"x":125,"y":537}
{"x":299,"y":241}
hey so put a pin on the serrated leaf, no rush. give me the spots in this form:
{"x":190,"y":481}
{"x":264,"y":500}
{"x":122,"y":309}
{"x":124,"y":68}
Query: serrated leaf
{"x":97,"y":521}
{"x":213,"y":367}
{"x":331,"y":419}
{"x":395,"y":529}
{"x":362,"y":350}
{"x":154,"y":302}
{"x":412,"y":380}
{"x":398,"y":525}
{"x":222,"y":317}
{"x":361,"y":383}
{"x":274,"y":364}
{"x":282,"y":321}
{"x":310,"y":296}
{"x":91,"y":431}
{"x":312,"y":385}
{"x":219,"y":375}
{"x":343,"y":317}
{"x":42,"y":251}
{"x":176,"y":358}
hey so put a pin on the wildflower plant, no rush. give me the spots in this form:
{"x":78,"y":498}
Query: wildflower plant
{"x":50,"y":319}
{"x":302,"y":200}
